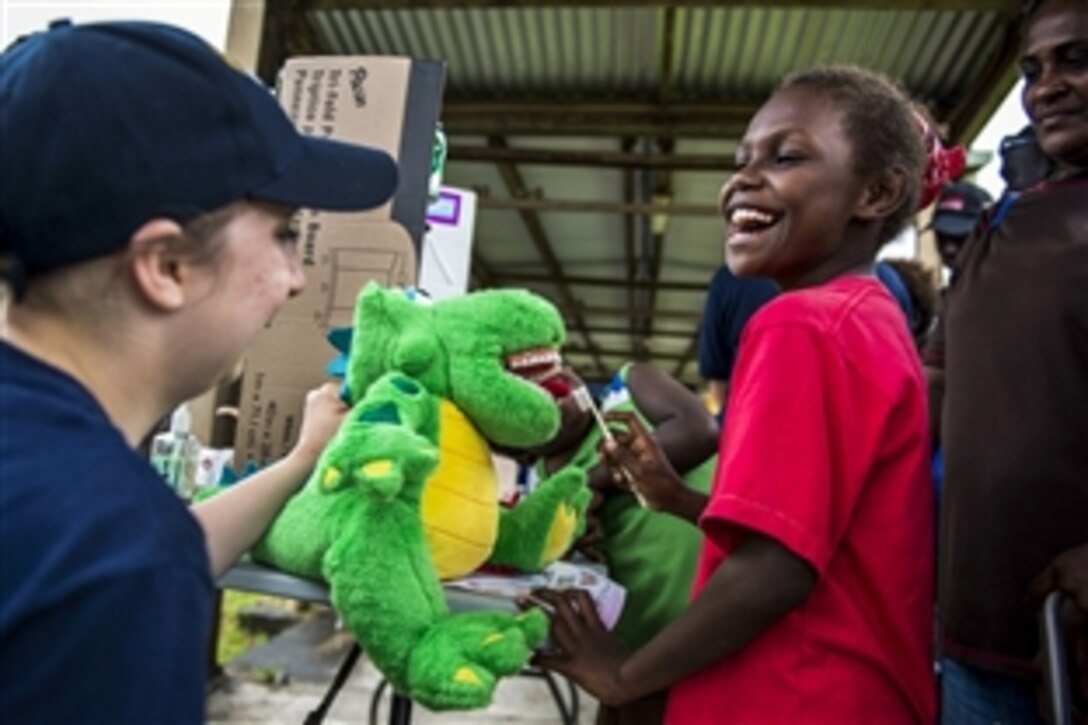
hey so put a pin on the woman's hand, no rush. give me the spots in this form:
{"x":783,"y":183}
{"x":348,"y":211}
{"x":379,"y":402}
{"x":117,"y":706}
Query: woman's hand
{"x":321,"y":418}
{"x":1069,"y":573}
{"x":637,"y":462}
{"x":587,"y":652}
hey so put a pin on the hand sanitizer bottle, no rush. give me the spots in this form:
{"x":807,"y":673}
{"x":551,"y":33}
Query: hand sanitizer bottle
{"x":175,"y":454}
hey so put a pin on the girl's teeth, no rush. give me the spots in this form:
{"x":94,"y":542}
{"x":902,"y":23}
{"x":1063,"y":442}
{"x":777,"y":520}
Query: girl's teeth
{"x":744,"y":216}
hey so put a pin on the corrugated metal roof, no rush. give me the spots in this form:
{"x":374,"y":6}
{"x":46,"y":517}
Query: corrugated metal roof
{"x":733,"y":53}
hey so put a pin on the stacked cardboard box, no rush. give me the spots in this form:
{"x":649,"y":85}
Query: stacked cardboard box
{"x":390,"y":103}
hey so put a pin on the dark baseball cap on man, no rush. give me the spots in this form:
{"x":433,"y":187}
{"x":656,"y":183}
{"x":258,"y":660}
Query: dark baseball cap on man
{"x":107,"y":125}
{"x":959,"y":207}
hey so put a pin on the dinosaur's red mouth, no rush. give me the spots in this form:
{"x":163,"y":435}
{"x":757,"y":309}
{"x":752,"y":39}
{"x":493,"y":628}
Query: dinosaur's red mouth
{"x":542,"y":366}
{"x":558,"y":386}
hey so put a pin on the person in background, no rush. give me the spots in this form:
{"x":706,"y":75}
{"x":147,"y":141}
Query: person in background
{"x":813,"y":599}
{"x":1023,"y":166}
{"x":923,"y":300}
{"x":1023,"y":163}
{"x":1011,"y":359}
{"x":730,"y":302}
{"x":959,"y":209}
{"x":145,"y":226}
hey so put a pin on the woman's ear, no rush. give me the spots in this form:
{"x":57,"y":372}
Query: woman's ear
{"x":155,"y":267}
{"x":883,"y":195}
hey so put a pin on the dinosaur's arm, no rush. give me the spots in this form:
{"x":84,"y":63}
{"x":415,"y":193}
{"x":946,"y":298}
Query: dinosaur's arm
{"x":543,"y":525}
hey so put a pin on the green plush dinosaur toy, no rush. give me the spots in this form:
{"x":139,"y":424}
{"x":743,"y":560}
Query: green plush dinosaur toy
{"x":405,"y":494}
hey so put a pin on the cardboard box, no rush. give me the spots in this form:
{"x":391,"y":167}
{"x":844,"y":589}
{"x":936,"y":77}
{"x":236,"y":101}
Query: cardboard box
{"x":391,"y":103}
{"x":289,"y":358}
{"x":388,"y":102}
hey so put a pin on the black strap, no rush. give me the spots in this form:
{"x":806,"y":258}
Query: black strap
{"x":317,"y":716}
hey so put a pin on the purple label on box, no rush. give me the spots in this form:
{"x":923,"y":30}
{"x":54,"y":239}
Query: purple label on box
{"x":446,"y":209}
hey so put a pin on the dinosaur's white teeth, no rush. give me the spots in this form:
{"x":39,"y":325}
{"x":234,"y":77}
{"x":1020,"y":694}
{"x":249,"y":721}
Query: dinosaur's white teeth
{"x":532,"y":358}
{"x":535,"y":365}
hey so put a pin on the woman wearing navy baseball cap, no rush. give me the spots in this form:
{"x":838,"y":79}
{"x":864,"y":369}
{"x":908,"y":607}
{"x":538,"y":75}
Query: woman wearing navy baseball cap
{"x":147,"y":191}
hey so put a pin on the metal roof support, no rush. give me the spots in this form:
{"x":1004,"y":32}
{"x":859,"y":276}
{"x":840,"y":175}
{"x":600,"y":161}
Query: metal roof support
{"x":609,"y":159}
{"x":644,"y":208}
{"x":621,"y":353}
{"x":629,"y":234}
{"x":574,"y":280}
{"x":515,"y":186}
{"x":624,"y":312}
{"x":686,"y":356}
{"x":617,"y":330}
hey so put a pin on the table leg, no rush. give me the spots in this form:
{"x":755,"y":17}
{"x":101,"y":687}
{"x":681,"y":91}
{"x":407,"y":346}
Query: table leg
{"x":400,"y":710}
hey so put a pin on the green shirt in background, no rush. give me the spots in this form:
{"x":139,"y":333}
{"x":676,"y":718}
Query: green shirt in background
{"x":651,"y":554}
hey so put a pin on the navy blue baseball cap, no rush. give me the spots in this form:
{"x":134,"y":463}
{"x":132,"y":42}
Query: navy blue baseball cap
{"x":959,"y":208}
{"x":104,"y":126}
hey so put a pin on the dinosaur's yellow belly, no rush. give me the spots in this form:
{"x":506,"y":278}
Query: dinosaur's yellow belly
{"x":460,"y":506}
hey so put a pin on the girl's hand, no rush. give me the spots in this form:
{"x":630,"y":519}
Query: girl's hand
{"x":637,"y":462}
{"x":321,"y":418}
{"x":587,"y":652}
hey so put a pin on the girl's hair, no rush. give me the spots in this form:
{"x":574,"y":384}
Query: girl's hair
{"x":880,"y":122}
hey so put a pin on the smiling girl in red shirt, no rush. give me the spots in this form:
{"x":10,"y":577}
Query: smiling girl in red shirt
{"x":813,"y":601}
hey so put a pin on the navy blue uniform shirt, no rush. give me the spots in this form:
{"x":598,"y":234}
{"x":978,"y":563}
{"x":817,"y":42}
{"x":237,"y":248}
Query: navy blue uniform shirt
{"x":730,"y":301}
{"x":105,"y":587}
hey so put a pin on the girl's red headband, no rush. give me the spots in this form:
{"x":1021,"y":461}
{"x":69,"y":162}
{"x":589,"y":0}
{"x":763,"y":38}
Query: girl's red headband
{"x":943,"y":165}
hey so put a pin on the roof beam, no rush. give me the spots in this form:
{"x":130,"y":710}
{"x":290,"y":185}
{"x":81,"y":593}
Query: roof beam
{"x":630,"y":231}
{"x":274,"y":35}
{"x":689,"y":353}
{"x":657,"y":185}
{"x":621,"y":118}
{"x":515,"y":186}
{"x":482,"y":271}
{"x":626,"y":312}
{"x":615,"y":330}
{"x":721,"y":163}
{"x":645,"y":354}
{"x":503,"y":278}
{"x":530,"y":204}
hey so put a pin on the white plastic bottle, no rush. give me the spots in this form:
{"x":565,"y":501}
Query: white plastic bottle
{"x":175,"y":453}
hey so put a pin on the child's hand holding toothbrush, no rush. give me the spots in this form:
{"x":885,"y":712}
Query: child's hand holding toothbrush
{"x":638,"y":462}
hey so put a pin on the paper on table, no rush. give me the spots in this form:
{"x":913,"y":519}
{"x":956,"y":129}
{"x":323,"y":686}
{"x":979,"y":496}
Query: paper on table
{"x":608,"y":596}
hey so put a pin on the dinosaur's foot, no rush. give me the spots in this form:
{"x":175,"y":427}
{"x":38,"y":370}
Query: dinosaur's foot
{"x":543,"y":525}
{"x":457,"y":664}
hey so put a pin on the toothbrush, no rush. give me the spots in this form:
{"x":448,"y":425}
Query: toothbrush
{"x":584,"y":401}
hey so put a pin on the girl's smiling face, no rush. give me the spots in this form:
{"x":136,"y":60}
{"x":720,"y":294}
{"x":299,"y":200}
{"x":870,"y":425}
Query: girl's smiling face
{"x":791,"y":209}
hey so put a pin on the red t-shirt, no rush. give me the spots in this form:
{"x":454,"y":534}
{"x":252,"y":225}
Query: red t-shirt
{"x":826,"y":451}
